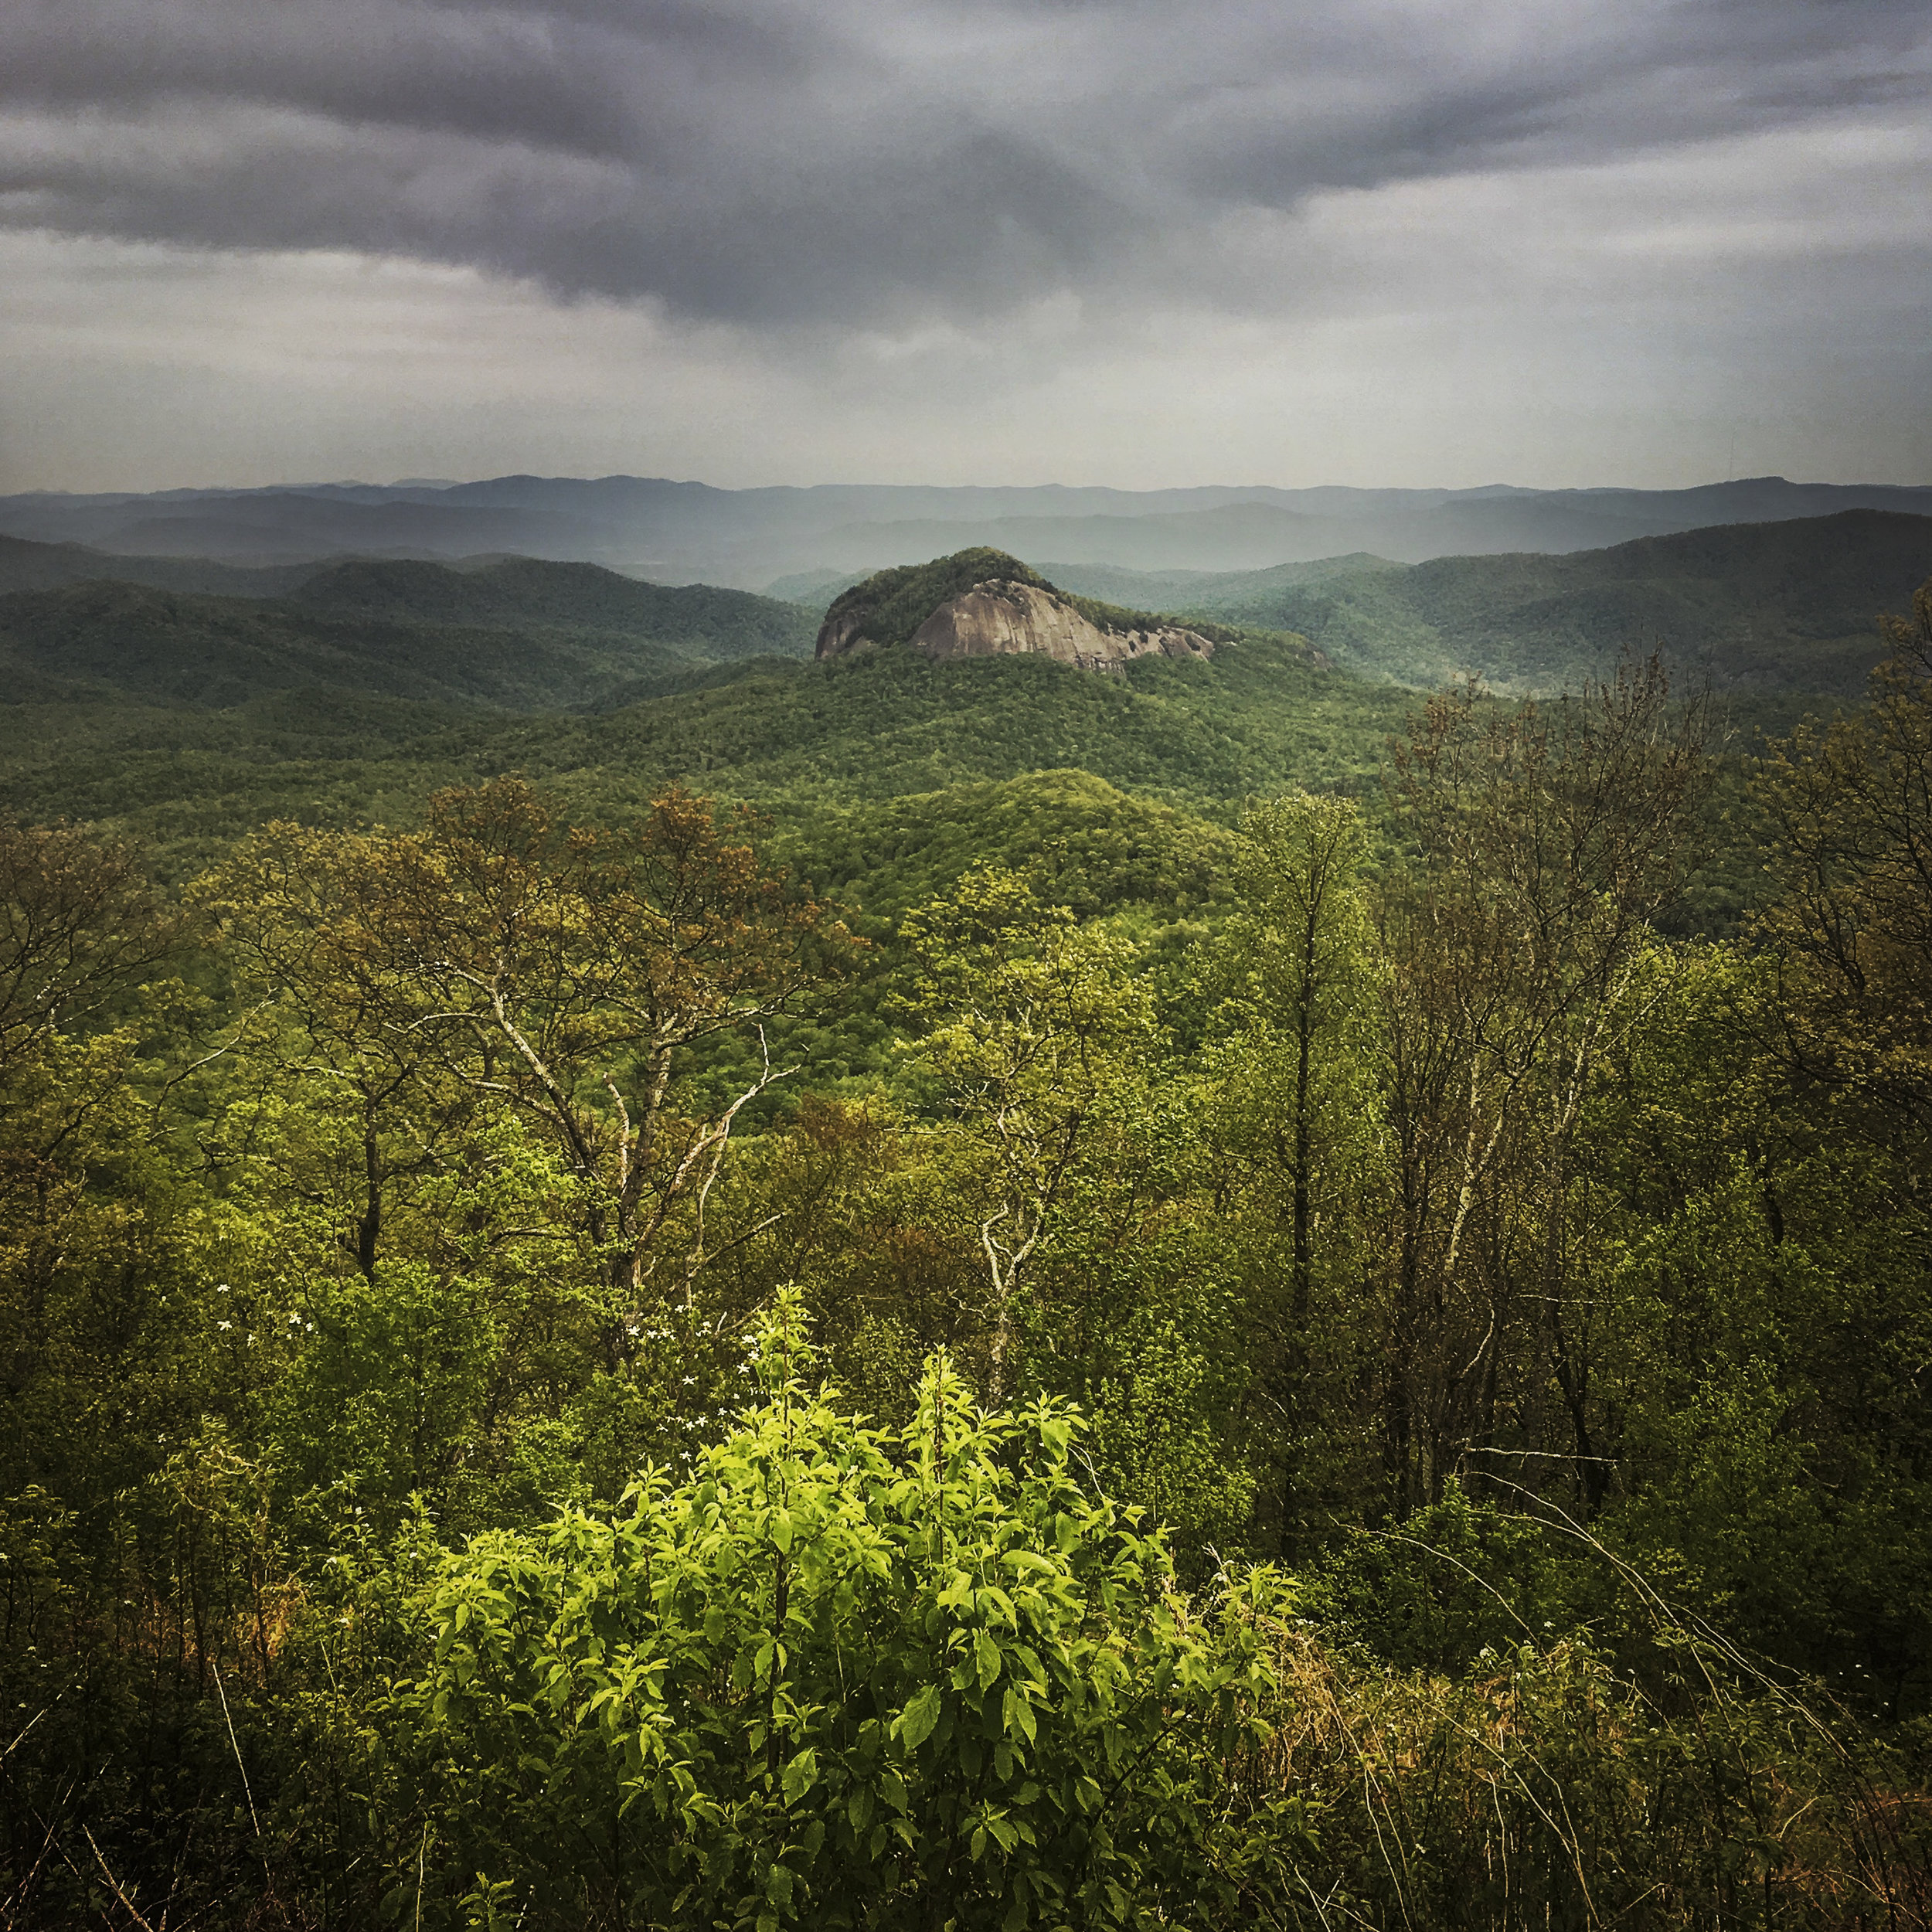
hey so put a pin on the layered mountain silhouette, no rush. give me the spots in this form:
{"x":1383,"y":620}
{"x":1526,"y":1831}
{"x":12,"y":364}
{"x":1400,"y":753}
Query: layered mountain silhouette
{"x":1770,"y":606}
{"x":1781,"y":606}
{"x":677,"y":532}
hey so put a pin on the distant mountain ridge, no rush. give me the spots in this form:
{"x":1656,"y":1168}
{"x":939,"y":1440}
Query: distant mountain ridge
{"x":1789,"y":605}
{"x":682,"y":532}
{"x":1779,"y":606}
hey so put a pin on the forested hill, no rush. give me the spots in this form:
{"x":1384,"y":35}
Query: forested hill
{"x":877,"y":726}
{"x":111,"y":644}
{"x":577,"y":1357}
{"x":28,"y":566}
{"x":1756,"y":607}
{"x":513,"y":594}
{"x":646,"y":1286}
{"x":518,"y":593}
{"x":514,"y":634}
{"x":186,"y":719}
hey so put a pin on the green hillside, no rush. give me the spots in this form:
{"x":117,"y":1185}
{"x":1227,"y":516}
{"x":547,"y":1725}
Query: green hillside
{"x":1176,"y":589}
{"x":27,"y":566}
{"x":133,"y":641}
{"x":697,"y":619}
{"x":878,"y":726}
{"x":1756,"y":608}
{"x":515,"y":634}
{"x":188,"y":719}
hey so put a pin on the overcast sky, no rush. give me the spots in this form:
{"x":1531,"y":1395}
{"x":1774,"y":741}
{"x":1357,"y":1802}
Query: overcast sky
{"x":1550,"y":242}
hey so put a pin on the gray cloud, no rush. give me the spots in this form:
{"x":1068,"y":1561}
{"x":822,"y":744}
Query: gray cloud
{"x":860,"y":162}
{"x":1372,"y":241}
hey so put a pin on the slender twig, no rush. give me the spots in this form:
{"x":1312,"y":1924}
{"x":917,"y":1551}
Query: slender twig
{"x":132,"y":1912}
{"x":247,"y":1790}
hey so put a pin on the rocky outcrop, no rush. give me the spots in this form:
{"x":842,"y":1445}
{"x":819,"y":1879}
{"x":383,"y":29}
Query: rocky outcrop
{"x":843,"y":631}
{"x":1004,"y":615}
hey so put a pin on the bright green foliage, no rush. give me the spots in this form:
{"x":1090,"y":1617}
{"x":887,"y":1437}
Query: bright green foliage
{"x":839,"y":1677}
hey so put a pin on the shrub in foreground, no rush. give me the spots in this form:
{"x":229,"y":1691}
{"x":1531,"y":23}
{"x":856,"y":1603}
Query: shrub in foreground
{"x":837,"y":1676}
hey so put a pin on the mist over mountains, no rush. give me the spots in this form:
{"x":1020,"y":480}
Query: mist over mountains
{"x":683,"y":532}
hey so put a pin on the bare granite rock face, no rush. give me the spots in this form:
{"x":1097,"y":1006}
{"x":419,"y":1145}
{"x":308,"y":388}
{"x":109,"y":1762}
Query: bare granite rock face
{"x":1003,"y":616}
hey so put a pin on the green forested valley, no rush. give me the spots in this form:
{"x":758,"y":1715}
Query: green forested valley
{"x":651,"y":1283}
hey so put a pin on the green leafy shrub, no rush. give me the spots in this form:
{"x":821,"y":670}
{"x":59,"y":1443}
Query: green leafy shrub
{"x":838,"y":1676}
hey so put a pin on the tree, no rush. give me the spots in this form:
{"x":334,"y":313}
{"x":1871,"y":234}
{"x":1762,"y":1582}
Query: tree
{"x":1851,"y":924}
{"x":1550,"y":837}
{"x":563,"y":974}
{"x":1040,"y":1042}
{"x":324,"y":1041}
{"x":841,"y":1677}
{"x":1294,"y":1106}
{"x":79,"y":923}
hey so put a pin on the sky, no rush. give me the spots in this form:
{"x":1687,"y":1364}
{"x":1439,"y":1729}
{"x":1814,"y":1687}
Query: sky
{"x":1552,"y":243}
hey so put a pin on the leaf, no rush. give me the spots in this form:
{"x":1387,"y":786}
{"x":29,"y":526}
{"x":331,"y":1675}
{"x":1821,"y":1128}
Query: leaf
{"x":914,"y":1724}
{"x":986,"y":1659}
{"x":800,"y":1774}
{"x":1019,"y":1714}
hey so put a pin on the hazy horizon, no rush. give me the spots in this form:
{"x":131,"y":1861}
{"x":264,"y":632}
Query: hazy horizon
{"x":298,"y":485}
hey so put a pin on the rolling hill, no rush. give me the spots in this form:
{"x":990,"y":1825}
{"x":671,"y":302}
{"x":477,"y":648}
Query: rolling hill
{"x":516,"y":634}
{"x":519,"y":594}
{"x":130,"y":642}
{"x":152,"y":754}
{"x":1758,"y":608}
{"x":186,"y":716}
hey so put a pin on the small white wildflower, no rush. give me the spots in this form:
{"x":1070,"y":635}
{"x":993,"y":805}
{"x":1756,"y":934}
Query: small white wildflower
{"x":224,"y":1325}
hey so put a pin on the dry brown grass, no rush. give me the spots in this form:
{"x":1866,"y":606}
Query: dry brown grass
{"x":1546,"y":1791}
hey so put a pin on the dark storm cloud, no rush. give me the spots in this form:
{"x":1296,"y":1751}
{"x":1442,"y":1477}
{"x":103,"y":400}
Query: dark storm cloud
{"x":856,"y":160}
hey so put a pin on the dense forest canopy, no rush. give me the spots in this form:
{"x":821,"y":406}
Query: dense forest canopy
{"x":1212,"y":1297}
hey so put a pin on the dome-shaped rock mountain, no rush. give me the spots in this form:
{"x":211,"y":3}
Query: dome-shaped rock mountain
{"x":980,"y":603}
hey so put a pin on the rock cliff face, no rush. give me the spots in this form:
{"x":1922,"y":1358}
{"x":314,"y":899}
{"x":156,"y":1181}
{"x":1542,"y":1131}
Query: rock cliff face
{"x":1003,"y":616}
